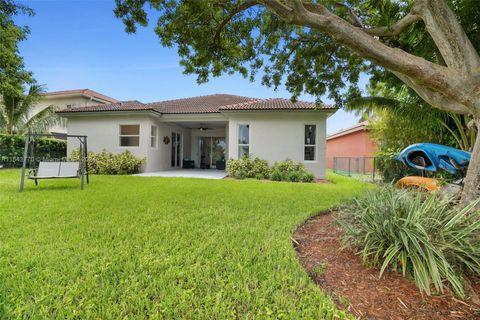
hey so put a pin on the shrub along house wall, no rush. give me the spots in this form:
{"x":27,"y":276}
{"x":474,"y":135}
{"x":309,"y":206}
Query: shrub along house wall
{"x":12,"y":148}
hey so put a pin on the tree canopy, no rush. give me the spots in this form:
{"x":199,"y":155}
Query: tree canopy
{"x":18,"y":89}
{"x":13,"y":75}
{"x":214,"y":37}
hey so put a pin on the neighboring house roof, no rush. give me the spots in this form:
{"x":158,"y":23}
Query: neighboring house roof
{"x":358,"y":127}
{"x":84,"y":92}
{"x":214,"y":103}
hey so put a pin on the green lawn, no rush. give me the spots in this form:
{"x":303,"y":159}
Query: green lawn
{"x":138,"y":248}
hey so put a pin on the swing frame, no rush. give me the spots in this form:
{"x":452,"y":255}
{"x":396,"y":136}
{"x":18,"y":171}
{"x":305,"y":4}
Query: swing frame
{"x":83,"y":160}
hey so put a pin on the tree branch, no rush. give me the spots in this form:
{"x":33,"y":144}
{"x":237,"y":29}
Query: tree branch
{"x":434,"y":98}
{"x":241,"y":7}
{"x":449,"y":36}
{"x":396,"y":28}
{"x":429,"y":74}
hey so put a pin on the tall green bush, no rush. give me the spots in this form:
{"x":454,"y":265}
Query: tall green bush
{"x":109,"y":163}
{"x":421,"y":236}
{"x":12,"y":148}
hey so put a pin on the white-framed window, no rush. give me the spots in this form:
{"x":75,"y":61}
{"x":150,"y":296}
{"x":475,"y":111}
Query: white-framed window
{"x":129,"y":135}
{"x":310,"y":142}
{"x":243,"y":140}
{"x":153,"y":136}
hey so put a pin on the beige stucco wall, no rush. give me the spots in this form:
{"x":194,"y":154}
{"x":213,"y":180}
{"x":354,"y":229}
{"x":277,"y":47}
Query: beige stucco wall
{"x":277,"y":136}
{"x":103,"y":133}
{"x":160,"y":158}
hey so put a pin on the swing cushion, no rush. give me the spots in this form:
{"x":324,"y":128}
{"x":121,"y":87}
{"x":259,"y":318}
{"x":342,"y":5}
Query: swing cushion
{"x":51,"y":170}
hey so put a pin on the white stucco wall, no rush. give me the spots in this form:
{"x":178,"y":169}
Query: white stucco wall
{"x":103,"y":134}
{"x":274,"y":136}
{"x":160,"y":158}
{"x":277,"y":136}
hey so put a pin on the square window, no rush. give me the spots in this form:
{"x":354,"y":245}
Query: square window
{"x":130,"y":135}
{"x":309,"y":154}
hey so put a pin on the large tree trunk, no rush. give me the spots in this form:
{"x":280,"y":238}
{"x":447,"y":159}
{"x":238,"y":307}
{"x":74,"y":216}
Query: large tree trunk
{"x":471,"y":189}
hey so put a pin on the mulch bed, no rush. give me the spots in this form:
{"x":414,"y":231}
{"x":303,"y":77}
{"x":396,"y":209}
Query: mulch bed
{"x":358,"y":289}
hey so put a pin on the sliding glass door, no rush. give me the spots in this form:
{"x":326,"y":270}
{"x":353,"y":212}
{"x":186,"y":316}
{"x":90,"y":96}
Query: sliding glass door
{"x":212,"y":149}
{"x":176,"y":158}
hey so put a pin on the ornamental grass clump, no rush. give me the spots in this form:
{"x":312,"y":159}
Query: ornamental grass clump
{"x":422,"y":236}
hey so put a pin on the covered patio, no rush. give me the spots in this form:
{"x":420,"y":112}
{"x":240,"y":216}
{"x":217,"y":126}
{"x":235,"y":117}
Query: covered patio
{"x":197,"y":144}
{"x":187,"y":173}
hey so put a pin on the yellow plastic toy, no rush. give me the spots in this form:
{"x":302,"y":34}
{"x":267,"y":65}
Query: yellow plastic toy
{"x":421,"y":183}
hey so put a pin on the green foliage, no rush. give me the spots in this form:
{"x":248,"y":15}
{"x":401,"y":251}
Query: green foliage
{"x":308,"y":177}
{"x":276,"y":175}
{"x":160,"y":248}
{"x":110,"y":163}
{"x":18,"y":89}
{"x":16,"y":110}
{"x":421,"y":236}
{"x":12,"y":72}
{"x":288,"y":170}
{"x":280,"y":171}
{"x":248,"y":168}
{"x":390,"y":169}
{"x":294,"y":176}
{"x":320,"y":269}
{"x":12,"y":148}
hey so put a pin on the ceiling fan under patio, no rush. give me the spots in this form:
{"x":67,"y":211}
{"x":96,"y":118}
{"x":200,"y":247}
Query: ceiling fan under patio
{"x":203,"y":128}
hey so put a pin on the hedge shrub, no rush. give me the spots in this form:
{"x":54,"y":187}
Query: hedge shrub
{"x":248,"y":168}
{"x":110,"y":163}
{"x":288,"y":170}
{"x":259,"y":169}
{"x":12,"y":148}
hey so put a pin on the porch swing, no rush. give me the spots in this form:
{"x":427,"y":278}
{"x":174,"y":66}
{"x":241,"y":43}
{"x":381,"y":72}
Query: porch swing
{"x":53,"y":169}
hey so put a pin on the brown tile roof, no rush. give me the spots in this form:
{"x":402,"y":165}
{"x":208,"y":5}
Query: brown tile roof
{"x":133,"y":105}
{"x":202,"y":104}
{"x":215,"y":103}
{"x":276,"y":104}
{"x":86,"y":92}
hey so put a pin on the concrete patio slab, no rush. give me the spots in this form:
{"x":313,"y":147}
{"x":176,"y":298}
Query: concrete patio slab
{"x":187,"y":173}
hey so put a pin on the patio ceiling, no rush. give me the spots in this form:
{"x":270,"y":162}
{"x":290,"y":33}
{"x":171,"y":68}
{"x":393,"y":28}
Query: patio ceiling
{"x":203,"y":124}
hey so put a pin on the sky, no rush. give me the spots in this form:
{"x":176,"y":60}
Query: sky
{"x":77,"y":44}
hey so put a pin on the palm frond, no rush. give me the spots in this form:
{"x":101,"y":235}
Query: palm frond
{"x":25,"y":103}
{"x":42,"y":121}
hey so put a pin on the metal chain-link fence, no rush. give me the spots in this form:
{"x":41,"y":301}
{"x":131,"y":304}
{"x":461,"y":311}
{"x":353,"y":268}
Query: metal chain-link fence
{"x":373,"y":169}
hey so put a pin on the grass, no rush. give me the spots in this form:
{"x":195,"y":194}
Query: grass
{"x":137,"y":248}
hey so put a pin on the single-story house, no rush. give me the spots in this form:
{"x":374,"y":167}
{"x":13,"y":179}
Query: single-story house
{"x":205,"y":131}
{"x":352,"y":147}
{"x":70,"y":99}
